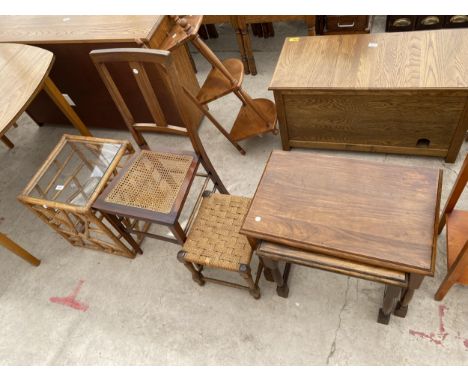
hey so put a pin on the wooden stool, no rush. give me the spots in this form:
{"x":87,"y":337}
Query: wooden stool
{"x":256,"y":116}
{"x":457,"y":237}
{"x":214,"y":241}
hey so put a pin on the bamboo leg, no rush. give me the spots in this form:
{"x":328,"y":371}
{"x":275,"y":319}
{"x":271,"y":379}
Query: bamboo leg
{"x":7,"y":142}
{"x":17,"y":250}
{"x":56,"y":96}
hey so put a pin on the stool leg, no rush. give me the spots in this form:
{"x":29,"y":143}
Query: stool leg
{"x":246,"y":274}
{"x":196,"y":275}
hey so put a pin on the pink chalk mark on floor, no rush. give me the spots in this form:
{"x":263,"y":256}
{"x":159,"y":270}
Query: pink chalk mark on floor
{"x":71,"y":300}
{"x":435,"y":338}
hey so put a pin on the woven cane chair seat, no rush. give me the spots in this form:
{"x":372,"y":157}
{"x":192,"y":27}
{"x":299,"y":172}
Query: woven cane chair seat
{"x":152,"y":182}
{"x":214,"y":239}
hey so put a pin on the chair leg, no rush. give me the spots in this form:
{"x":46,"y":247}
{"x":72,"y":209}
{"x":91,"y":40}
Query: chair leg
{"x":246,"y":274}
{"x":196,"y":275}
{"x":444,"y":287}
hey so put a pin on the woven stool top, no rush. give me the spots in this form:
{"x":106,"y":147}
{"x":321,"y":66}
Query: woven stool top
{"x":152,"y":182}
{"x":214,"y":239}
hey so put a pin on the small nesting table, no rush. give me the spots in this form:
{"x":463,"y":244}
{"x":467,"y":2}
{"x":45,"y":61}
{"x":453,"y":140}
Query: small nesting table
{"x":63,"y":190}
{"x":362,"y":219}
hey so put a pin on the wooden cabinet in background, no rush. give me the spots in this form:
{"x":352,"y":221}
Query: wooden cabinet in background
{"x":342,"y":24}
{"x":71,"y":38}
{"x":381,"y":92}
{"x":400,"y":23}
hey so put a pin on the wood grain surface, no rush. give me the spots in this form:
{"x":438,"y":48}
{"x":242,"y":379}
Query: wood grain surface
{"x":332,"y":264}
{"x":418,"y":60}
{"x":60,"y":28}
{"x":376,"y":213}
{"x":23,"y":70}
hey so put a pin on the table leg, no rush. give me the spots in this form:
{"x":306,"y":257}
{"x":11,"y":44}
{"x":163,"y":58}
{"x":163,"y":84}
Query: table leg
{"x":391,"y":295}
{"x":7,"y":142}
{"x":414,"y":283}
{"x":17,"y":250}
{"x":56,"y":96}
{"x":271,"y":266}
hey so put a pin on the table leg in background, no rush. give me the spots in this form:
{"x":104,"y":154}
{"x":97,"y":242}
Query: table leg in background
{"x":17,"y":250}
{"x":56,"y":96}
{"x":7,"y":142}
{"x":391,"y":295}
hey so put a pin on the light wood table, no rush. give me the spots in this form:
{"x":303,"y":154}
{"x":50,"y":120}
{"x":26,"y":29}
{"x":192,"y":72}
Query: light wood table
{"x":403,"y":93}
{"x":24,"y":72}
{"x":9,"y":244}
{"x":363,"y":219}
{"x":71,"y":38}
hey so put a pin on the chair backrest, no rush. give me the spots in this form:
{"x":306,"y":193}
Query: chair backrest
{"x":456,"y":192}
{"x":143,"y":64}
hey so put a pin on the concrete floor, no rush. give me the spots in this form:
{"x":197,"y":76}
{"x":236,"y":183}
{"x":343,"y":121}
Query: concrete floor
{"x":147,"y":311}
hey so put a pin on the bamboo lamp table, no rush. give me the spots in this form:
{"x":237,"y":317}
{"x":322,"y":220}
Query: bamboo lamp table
{"x":24,"y":72}
{"x":67,"y":184}
{"x":400,"y":93}
{"x":359,"y":218}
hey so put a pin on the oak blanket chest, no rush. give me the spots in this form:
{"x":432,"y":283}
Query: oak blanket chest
{"x":403,"y":93}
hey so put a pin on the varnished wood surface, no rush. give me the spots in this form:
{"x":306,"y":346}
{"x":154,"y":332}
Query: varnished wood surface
{"x":457,"y":229}
{"x":76,"y":29}
{"x":332,"y":264}
{"x":419,"y":60}
{"x":359,"y":210}
{"x":23,"y":69}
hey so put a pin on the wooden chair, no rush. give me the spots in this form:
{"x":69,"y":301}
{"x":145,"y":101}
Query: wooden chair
{"x":9,"y":244}
{"x":154,"y":185}
{"x":256,"y":116}
{"x":457,"y":237}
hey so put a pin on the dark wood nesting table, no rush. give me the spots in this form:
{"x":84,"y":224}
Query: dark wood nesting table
{"x":359,"y":218}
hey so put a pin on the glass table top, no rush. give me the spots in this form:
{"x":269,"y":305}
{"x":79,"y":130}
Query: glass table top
{"x":75,"y":172}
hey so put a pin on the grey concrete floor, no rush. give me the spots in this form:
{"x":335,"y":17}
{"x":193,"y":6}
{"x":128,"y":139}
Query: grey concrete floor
{"x":147,"y":311}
